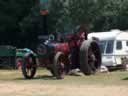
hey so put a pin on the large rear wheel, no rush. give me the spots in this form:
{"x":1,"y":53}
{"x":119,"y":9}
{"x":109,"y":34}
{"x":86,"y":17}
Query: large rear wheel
{"x":90,"y":57}
{"x":58,"y":66}
{"x":29,"y":66}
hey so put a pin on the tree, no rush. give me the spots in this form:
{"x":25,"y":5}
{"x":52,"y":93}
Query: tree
{"x":21,"y":20}
{"x":12,"y":12}
{"x":83,"y":11}
{"x":113,"y":16}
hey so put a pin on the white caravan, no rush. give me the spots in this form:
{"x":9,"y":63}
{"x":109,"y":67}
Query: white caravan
{"x":114,"y":46}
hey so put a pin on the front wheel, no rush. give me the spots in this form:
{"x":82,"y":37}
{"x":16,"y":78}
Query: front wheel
{"x":29,"y":66}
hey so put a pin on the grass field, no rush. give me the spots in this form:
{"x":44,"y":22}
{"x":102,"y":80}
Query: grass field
{"x":12,"y":83}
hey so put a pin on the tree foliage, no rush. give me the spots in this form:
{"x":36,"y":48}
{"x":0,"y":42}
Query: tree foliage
{"x":12,"y":12}
{"x":21,"y":21}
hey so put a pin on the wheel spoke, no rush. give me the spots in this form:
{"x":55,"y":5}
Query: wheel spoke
{"x":91,"y":59}
{"x":60,"y":67}
{"x":28,"y":72}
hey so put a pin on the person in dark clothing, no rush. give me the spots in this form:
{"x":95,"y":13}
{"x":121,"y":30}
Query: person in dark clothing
{"x":75,"y":43}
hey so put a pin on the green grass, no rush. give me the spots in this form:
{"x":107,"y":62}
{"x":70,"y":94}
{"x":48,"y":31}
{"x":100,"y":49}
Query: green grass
{"x":44,"y":77}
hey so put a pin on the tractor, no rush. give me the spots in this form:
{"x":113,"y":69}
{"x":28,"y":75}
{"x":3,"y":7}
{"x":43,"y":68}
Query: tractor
{"x":62,"y":53}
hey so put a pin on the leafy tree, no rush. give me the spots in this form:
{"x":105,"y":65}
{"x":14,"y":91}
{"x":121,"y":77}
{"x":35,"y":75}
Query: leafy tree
{"x":113,"y":16}
{"x":12,"y":12}
{"x":20,"y":20}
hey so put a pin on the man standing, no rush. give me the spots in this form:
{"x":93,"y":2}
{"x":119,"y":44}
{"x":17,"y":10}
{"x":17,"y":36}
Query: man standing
{"x":75,"y":42}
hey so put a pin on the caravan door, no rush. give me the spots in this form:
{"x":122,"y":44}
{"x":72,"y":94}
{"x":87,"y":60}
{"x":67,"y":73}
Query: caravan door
{"x":107,"y":48}
{"x":121,"y":50}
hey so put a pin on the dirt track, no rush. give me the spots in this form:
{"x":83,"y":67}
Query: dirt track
{"x":12,"y":83}
{"x":14,"y":89}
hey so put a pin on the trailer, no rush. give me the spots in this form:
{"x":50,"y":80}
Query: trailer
{"x":113,"y":45}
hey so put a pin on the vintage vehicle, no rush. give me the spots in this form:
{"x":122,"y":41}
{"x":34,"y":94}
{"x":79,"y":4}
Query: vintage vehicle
{"x":62,"y":53}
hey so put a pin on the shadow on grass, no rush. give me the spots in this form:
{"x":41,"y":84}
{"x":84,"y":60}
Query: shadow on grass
{"x":44,"y":77}
{"x":125,"y":78}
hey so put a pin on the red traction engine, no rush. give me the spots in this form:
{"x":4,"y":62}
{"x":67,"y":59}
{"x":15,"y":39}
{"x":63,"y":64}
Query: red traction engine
{"x":71,"y":51}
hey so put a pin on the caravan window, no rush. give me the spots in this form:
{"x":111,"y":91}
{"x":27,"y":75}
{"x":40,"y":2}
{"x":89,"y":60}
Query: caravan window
{"x":127,"y":43}
{"x":106,"y":46}
{"x":102,"y":46}
{"x":118,"y":45}
{"x":109,"y":48}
